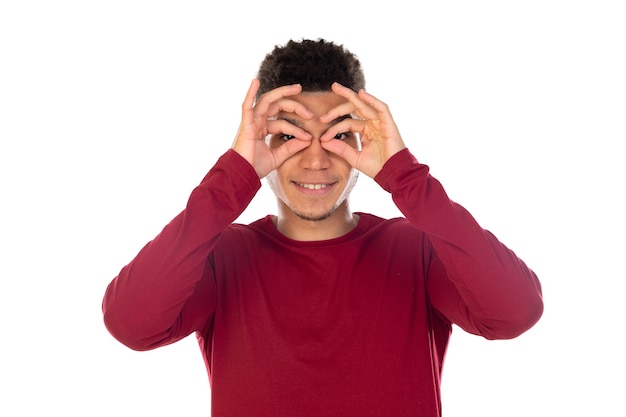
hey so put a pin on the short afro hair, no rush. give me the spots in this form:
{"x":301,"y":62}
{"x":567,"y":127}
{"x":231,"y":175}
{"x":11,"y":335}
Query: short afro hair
{"x":315,"y":64}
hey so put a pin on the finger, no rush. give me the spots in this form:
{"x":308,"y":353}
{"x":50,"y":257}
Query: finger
{"x":356,"y":105}
{"x":288,"y":106}
{"x":246,"y":127}
{"x":341,"y":110}
{"x":289,"y":148}
{"x":346,"y":125}
{"x":248,"y":102}
{"x":375,"y":103}
{"x":278,"y":127}
{"x":266,"y":99}
{"x":342,"y":149}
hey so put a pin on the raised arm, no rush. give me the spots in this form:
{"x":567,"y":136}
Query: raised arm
{"x":167,"y":291}
{"x":476,"y":282}
{"x":161,"y":296}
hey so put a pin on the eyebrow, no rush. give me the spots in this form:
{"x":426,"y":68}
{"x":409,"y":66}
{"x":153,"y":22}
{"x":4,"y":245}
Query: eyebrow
{"x":300,"y":124}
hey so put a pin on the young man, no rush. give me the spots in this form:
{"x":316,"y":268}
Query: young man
{"x":319,"y":311}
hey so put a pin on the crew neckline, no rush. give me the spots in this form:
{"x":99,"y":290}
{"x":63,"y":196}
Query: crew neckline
{"x":268,"y":226}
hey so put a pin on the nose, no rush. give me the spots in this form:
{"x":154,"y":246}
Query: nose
{"x":314,"y":156}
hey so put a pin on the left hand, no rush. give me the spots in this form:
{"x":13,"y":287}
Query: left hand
{"x":257,"y":121}
{"x":380,"y":138}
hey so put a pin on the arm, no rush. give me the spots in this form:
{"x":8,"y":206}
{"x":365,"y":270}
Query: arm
{"x":160,"y":297}
{"x":475,"y":281}
{"x":167,"y":291}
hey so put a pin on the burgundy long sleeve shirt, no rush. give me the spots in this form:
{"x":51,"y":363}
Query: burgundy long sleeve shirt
{"x":352,"y":326}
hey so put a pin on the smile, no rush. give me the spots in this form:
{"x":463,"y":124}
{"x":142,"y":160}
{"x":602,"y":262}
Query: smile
{"x":313,"y":186}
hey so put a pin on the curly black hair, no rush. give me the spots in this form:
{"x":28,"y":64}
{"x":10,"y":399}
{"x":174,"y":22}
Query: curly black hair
{"x":315,"y":64}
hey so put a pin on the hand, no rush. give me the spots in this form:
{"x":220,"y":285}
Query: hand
{"x":380,"y":138}
{"x":257,"y":121}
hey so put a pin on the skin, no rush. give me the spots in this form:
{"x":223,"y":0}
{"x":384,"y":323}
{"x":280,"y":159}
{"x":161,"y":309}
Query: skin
{"x":307,"y":145}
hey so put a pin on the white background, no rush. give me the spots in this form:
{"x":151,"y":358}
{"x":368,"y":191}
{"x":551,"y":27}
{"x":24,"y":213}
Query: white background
{"x":111,"y":112}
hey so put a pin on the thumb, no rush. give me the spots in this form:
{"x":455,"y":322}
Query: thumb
{"x":289,"y":148}
{"x":343,"y":150}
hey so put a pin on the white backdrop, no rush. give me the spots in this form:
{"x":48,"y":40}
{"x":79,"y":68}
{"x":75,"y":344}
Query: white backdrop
{"x":111,"y":112}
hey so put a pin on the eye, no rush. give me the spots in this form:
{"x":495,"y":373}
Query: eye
{"x":341,"y":136}
{"x":287,"y":137}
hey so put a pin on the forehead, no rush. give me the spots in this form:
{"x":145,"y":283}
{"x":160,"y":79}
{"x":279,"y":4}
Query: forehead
{"x":319,"y":102}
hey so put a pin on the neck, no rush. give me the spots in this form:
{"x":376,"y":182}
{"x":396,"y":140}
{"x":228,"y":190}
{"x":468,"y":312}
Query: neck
{"x":340,"y":222}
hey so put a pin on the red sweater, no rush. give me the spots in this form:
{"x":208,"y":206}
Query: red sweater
{"x":352,"y":326}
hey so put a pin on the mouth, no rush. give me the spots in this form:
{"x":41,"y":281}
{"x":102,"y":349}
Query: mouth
{"x":314,"y":188}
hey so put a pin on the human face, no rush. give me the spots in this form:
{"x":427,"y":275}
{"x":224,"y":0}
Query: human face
{"x":314,"y":183}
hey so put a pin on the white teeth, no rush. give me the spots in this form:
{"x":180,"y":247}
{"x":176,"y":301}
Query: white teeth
{"x":313,"y":186}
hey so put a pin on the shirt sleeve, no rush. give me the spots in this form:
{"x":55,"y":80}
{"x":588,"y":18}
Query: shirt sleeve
{"x":474,"y":280}
{"x":161,"y":296}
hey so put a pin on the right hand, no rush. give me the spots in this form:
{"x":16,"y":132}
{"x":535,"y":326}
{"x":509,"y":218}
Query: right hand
{"x":258,"y":121}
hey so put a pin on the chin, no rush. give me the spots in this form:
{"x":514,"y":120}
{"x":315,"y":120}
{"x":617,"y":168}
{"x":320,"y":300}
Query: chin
{"x":313,"y":217}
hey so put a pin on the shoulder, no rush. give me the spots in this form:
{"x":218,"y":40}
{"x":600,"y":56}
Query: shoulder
{"x":241,"y":230}
{"x":395,"y":227}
